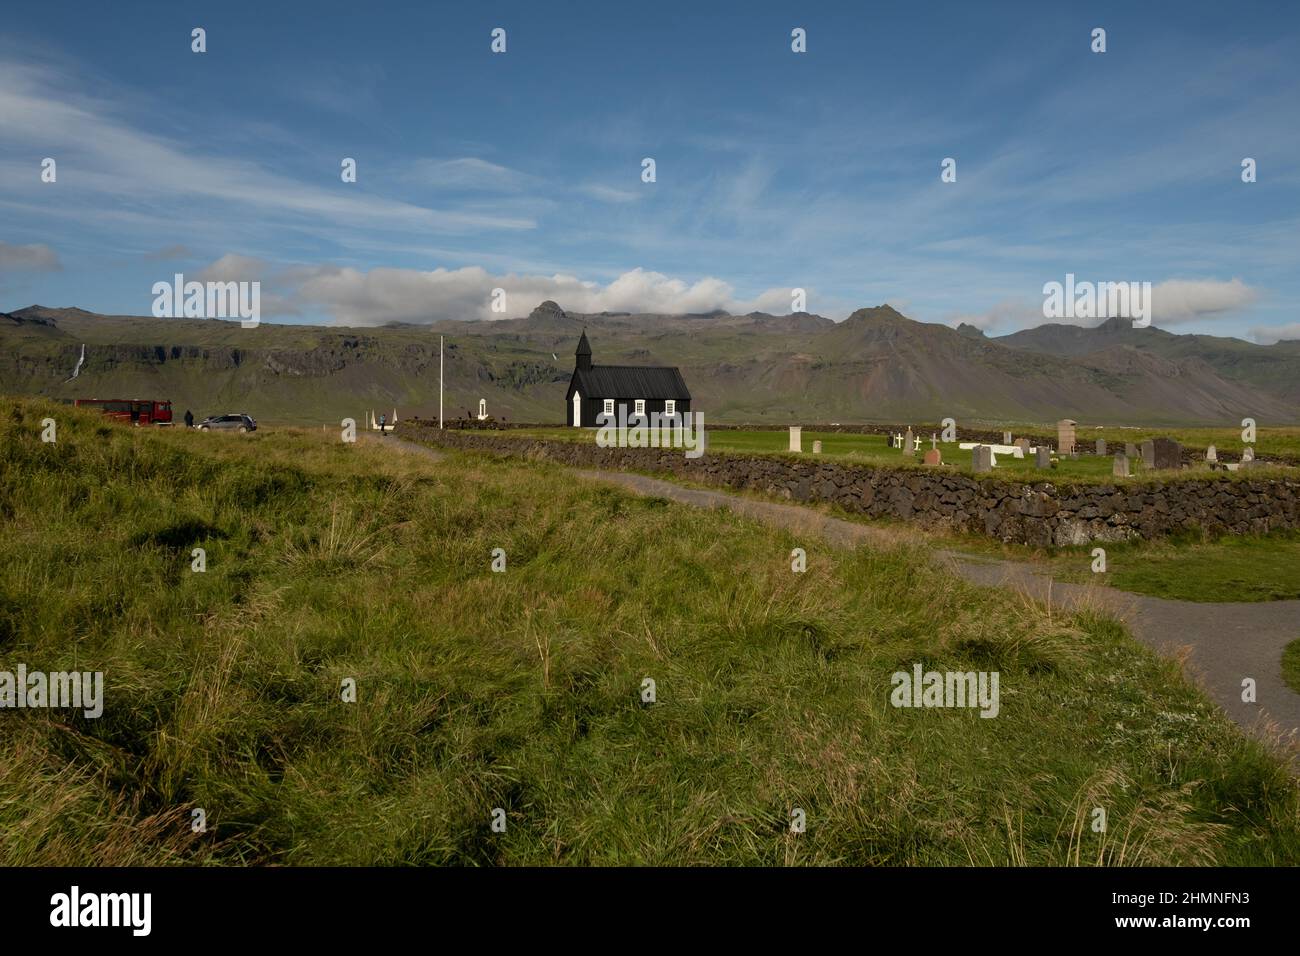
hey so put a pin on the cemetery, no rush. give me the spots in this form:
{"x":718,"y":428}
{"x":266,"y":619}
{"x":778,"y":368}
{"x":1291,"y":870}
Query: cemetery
{"x":1029,"y":456}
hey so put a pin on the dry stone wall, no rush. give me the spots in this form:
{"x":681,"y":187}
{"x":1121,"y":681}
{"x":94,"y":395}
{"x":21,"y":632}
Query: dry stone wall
{"x":1036,"y":513}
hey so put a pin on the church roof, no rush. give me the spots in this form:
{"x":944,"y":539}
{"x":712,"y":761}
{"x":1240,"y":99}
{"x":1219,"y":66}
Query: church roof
{"x":632,"y":381}
{"x":584,"y":347}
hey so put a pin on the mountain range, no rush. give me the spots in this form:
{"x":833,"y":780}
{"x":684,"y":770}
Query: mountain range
{"x":875,"y":366}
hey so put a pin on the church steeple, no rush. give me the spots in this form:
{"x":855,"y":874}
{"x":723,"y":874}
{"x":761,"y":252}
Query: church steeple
{"x":584,"y":352}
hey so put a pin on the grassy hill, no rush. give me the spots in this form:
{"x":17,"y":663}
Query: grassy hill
{"x":522,"y":690}
{"x":876,"y":366}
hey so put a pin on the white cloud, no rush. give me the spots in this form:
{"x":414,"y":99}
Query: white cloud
{"x":1173,"y":301}
{"x":356,"y":297}
{"x":1268,"y":334}
{"x":277,"y":284}
{"x":235,"y":268}
{"x":33,"y":258}
{"x":1181,"y":300}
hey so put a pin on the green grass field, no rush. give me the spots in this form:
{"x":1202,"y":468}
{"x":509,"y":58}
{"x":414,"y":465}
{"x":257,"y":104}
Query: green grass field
{"x":522,"y":690}
{"x":1263,"y":568}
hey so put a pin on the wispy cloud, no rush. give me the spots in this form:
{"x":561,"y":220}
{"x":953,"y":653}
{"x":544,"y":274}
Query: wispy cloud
{"x":469,"y":173}
{"x":609,"y":193}
{"x":107,"y":159}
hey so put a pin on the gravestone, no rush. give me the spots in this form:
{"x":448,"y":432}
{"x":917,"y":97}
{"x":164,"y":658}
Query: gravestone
{"x":796,"y":438}
{"x":1248,"y":454}
{"x":1023,"y":444}
{"x":1065,"y":436}
{"x":1148,"y":454}
{"x":1006,"y":438}
{"x":1130,"y":451}
{"x":1101,"y":446}
{"x":1167,"y":453}
{"x":1043,"y":458}
{"x":1120,"y":468}
{"x":1211,"y":454}
{"x":817,"y":448}
{"x":909,"y":444}
{"x":895,"y":440}
{"x":1018,"y":451}
{"x":981,"y":458}
{"x":933,"y":457}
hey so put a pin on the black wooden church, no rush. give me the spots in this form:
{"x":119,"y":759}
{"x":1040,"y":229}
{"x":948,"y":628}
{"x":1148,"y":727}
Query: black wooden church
{"x":638,"y":389}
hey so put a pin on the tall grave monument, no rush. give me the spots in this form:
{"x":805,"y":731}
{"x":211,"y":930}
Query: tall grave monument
{"x":1065,"y":436}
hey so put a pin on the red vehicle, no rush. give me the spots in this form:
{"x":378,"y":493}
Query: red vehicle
{"x":138,"y":411}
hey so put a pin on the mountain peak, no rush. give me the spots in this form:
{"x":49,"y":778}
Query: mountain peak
{"x":879,"y":313}
{"x":41,"y":315}
{"x":970,"y":331}
{"x":548,"y":310}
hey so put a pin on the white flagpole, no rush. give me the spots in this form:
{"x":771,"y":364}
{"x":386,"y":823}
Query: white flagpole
{"x":440,"y":382}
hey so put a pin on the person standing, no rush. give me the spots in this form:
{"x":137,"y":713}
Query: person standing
{"x":383,"y":419}
{"x":189,"y":418}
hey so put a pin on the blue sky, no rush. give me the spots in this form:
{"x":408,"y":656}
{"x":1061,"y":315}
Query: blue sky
{"x":775,"y":170}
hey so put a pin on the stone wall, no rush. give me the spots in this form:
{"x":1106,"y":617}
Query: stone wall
{"x":1037,"y":513}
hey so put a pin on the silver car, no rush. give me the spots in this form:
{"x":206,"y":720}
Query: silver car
{"x":240,"y":422}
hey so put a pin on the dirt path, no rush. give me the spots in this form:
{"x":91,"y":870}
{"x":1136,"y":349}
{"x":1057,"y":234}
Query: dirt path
{"x":1223,"y":643}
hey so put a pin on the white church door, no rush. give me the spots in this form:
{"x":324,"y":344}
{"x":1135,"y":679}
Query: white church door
{"x":577,"y":410}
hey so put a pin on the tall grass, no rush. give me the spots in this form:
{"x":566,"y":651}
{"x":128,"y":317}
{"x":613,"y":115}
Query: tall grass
{"x":523,"y":690}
